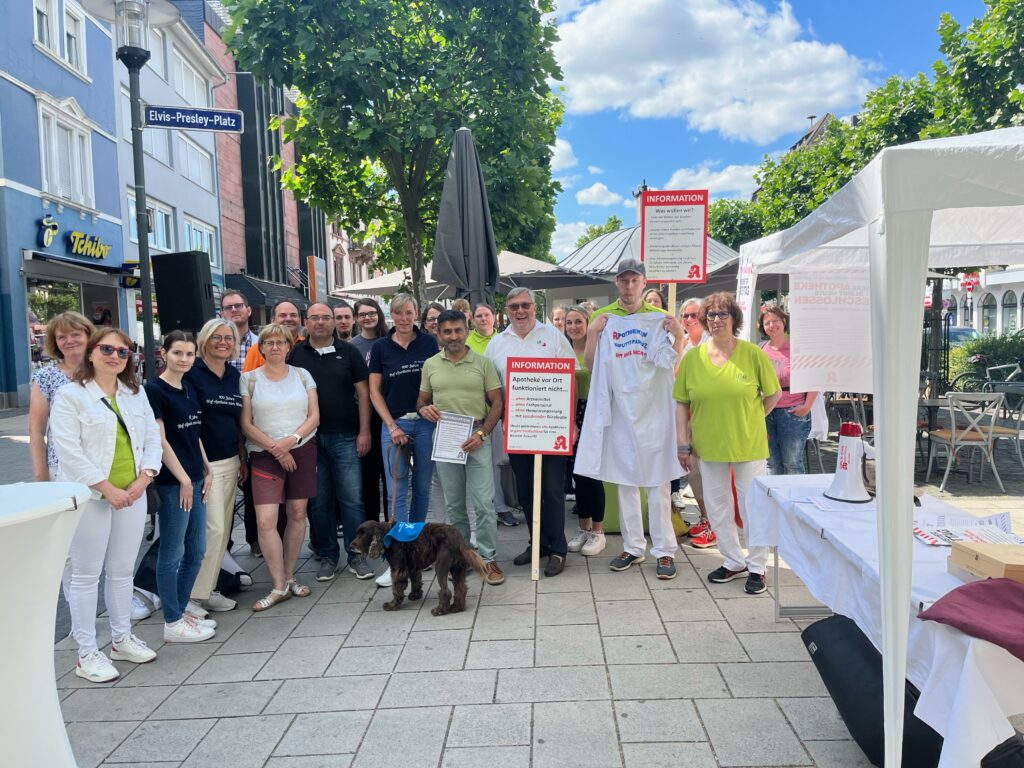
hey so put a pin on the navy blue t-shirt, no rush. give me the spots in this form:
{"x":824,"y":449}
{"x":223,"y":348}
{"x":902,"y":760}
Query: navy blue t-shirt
{"x":221,"y":402}
{"x":181,"y":414}
{"x":336,"y":375}
{"x":401,"y":369}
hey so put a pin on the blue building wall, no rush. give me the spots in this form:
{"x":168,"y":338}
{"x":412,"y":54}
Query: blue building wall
{"x":28,"y":75}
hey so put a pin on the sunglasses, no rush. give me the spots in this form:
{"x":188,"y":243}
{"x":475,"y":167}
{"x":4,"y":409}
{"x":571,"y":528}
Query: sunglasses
{"x":230,"y":307}
{"x":690,"y":315}
{"x":107,"y":350}
{"x":517,"y":307}
{"x":718,"y":315}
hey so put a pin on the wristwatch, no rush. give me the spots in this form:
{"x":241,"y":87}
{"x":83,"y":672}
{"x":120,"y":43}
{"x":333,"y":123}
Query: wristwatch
{"x":298,"y":438}
{"x":150,"y":473}
{"x":482,"y":434}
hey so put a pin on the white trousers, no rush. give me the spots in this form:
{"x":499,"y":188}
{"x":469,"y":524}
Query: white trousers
{"x":106,"y":539}
{"x":220,"y":510}
{"x":659,"y":515}
{"x":718,"y":501}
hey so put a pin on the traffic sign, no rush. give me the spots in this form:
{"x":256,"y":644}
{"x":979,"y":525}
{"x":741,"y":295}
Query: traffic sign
{"x":193,"y":118}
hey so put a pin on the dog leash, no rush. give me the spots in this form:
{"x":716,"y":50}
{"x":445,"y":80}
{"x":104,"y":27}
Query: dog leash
{"x":393,"y":462}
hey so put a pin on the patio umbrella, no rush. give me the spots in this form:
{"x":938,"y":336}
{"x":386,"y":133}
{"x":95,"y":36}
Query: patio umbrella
{"x":465,"y":256}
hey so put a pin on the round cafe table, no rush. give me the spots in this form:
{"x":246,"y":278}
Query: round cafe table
{"x":37,"y":523}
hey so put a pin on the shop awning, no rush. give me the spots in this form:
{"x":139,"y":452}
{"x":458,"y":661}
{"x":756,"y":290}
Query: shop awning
{"x":264,"y":293}
{"x":92,"y":266}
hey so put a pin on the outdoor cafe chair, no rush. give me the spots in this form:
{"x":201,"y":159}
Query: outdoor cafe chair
{"x":977,"y":412}
{"x":1013,"y":408}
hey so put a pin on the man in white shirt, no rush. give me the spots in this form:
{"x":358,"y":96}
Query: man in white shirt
{"x":528,"y":337}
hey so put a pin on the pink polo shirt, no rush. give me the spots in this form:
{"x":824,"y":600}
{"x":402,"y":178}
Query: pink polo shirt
{"x":780,"y":362}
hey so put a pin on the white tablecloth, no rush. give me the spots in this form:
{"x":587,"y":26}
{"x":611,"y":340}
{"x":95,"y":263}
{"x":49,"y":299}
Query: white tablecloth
{"x":968,"y":686}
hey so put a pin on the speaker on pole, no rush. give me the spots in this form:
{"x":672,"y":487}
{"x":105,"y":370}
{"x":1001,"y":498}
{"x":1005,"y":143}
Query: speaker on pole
{"x":184,"y":290}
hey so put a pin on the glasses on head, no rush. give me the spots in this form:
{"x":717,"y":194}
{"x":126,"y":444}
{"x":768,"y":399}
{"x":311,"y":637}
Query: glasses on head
{"x":367,"y":315}
{"x":690,"y":315}
{"x":107,"y":350}
{"x":230,"y":307}
{"x":275,"y":343}
{"x":517,"y":307}
{"x":718,"y":315}
{"x":222,"y":339}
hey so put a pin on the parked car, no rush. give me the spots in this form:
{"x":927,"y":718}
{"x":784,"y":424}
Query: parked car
{"x":958,"y":335}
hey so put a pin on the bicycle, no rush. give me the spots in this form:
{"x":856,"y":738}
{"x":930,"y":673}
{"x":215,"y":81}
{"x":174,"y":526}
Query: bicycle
{"x":974,"y":381}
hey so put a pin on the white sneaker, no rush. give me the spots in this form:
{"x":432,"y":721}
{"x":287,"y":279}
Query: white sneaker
{"x":192,"y":618}
{"x":132,"y":649}
{"x":595,"y":544}
{"x":217,"y":603}
{"x":678,"y":500}
{"x":576,"y":542}
{"x":96,"y":668}
{"x":140,"y":609}
{"x":384,"y":580}
{"x":183,"y":631}
{"x":196,"y":609}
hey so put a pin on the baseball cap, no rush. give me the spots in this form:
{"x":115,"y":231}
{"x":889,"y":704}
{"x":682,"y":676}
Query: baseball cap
{"x":631,"y":265}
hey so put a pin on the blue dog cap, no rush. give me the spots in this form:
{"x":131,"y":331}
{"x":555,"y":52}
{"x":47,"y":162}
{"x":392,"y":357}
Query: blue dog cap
{"x":403,"y":532}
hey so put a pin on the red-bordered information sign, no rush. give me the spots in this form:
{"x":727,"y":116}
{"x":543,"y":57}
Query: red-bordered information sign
{"x":674,"y":235}
{"x":540,"y":404}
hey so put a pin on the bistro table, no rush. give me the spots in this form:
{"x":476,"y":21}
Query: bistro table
{"x":969,"y":687}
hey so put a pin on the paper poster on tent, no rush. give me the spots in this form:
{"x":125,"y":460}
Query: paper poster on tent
{"x":746,"y":278}
{"x":830,"y":331}
{"x":540,"y":405}
{"x":674,"y":235}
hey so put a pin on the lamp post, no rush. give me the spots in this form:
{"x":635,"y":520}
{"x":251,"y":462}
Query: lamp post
{"x":132,"y":20}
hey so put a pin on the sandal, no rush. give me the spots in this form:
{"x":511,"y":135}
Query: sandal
{"x":276,"y":596}
{"x":297,"y":589}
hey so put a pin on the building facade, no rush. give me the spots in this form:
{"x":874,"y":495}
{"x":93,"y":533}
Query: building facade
{"x":61,"y":244}
{"x":994,"y":307}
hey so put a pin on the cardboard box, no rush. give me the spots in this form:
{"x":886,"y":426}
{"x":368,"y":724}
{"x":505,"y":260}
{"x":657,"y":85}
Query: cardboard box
{"x":995,"y":561}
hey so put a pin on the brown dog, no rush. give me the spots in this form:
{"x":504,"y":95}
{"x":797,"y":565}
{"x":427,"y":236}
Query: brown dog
{"x":439,"y":545}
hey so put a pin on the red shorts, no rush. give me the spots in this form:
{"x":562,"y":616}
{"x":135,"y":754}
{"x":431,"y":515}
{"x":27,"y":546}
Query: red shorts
{"x":271,"y":484}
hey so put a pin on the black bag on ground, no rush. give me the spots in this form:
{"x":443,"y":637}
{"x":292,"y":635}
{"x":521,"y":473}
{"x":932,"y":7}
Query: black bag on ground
{"x":851,"y":669}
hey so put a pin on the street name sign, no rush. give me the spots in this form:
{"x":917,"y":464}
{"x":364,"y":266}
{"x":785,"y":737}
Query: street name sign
{"x":193,"y":118}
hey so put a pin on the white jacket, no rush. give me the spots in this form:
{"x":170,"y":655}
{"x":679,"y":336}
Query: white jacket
{"x":629,"y":433}
{"x":85,"y":431}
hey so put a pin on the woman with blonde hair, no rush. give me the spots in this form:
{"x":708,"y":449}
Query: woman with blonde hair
{"x":216,"y":384}
{"x":280,"y":414}
{"x":106,"y":437}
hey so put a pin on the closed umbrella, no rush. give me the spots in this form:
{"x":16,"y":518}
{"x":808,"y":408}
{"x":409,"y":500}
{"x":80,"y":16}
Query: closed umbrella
{"x":465,"y":256}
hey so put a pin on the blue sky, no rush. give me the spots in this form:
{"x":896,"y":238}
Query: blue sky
{"x":703,"y":89}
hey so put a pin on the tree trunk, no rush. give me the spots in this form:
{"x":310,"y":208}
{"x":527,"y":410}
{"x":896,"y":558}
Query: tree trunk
{"x":414,"y":247}
{"x":935,"y":339}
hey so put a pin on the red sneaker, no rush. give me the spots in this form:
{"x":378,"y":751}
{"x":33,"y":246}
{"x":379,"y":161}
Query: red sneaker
{"x":699,"y":528}
{"x":706,"y":539}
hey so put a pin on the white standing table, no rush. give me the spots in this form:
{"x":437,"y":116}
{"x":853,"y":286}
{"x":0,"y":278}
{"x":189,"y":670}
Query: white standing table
{"x":37,"y":523}
{"x":969,"y":687}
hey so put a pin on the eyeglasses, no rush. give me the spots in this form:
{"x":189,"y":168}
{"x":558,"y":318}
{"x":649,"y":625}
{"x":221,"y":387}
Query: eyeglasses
{"x":275,"y":343}
{"x":366,"y":315}
{"x":690,"y":315}
{"x":320,"y":318}
{"x":718,"y":315}
{"x":230,"y":307}
{"x":221,"y":339}
{"x":107,"y":350}
{"x":517,"y":307}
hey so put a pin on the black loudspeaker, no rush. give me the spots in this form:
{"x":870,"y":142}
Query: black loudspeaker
{"x":851,"y":669}
{"x":184,"y":290}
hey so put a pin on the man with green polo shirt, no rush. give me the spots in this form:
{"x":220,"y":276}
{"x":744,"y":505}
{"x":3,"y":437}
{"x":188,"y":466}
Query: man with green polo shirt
{"x":459,"y":380}
{"x":631,"y":281}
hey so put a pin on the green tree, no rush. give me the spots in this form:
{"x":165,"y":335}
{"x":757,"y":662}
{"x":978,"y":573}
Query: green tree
{"x":384,"y":86}
{"x":734,"y":222}
{"x":612,"y":224}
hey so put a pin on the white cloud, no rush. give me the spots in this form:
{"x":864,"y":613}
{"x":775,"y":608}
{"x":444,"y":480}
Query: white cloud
{"x":594,"y":170}
{"x":630,"y":203}
{"x":731,"y":181}
{"x":598,"y":194}
{"x":562,"y":156}
{"x":563,"y":239}
{"x":569,"y":181}
{"x":741,"y":69}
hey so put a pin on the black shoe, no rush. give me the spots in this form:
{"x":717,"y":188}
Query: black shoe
{"x":555,"y":565}
{"x":755,"y":584}
{"x":524,"y":557}
{"x":722,"y":574}
{"x":508,"y":519}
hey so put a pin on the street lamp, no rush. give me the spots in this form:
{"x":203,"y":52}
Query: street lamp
{"x":132,"y":20}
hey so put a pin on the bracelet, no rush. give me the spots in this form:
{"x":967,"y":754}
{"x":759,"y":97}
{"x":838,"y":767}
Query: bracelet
{"x":683,"y":448}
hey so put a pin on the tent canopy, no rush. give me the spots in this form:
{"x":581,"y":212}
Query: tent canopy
{"x":943,"y":203}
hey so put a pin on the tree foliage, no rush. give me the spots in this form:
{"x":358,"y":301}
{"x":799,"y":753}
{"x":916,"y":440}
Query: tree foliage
{"x":733,"y":222}
{"x":384,"y":85}
{"x":612,"y":224}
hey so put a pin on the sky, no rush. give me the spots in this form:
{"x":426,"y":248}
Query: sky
{"x":692,"y":94}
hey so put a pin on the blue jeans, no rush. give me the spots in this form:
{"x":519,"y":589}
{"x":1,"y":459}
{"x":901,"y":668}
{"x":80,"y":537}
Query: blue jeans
{"x":181,"y":550}
{"x":339,"y":480}
{"x":422,"y":433}
{"x":787,"y":438}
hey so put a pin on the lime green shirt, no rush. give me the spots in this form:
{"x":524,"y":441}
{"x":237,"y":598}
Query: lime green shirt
{"x":478,"y":342}
{"x":616,"y":308}
{"x":122,"y":470}
{"x":459,"y":387}
{"x":582,"y":379}
{"x":726,"y":413}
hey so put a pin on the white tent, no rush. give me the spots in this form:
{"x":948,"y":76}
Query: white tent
{"x":940,"y":203}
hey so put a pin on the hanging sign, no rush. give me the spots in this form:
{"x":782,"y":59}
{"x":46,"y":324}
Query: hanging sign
{"x":193,"y":118}
{"x":540,"y":405}
{"x":969,"y":280}
{"x":674,"y":235}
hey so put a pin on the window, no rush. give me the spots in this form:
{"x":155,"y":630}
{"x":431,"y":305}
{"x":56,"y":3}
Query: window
{"x":74,"y":38}
{"x":46,"y":22}
{"x":189,"y":84}
{"x":156,"y":142}
{"x":157,"y":62}
{"x":196,"y":163}
{"x":967,"y":306}
{"x":202,"y":237}
{"x":1009,"y":312}
{"x":66,"y":148}
{"x":988,"y":314}
{"x":161,"y":224}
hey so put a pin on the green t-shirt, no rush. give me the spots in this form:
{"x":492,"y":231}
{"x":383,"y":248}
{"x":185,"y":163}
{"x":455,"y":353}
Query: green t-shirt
{"x":582,"y":379}
{"x":460,"y":387}
{"x":726,"y":414}
{"x":616,"y":308}
{"x":122,"y":470}
{"x":478,"y":342}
